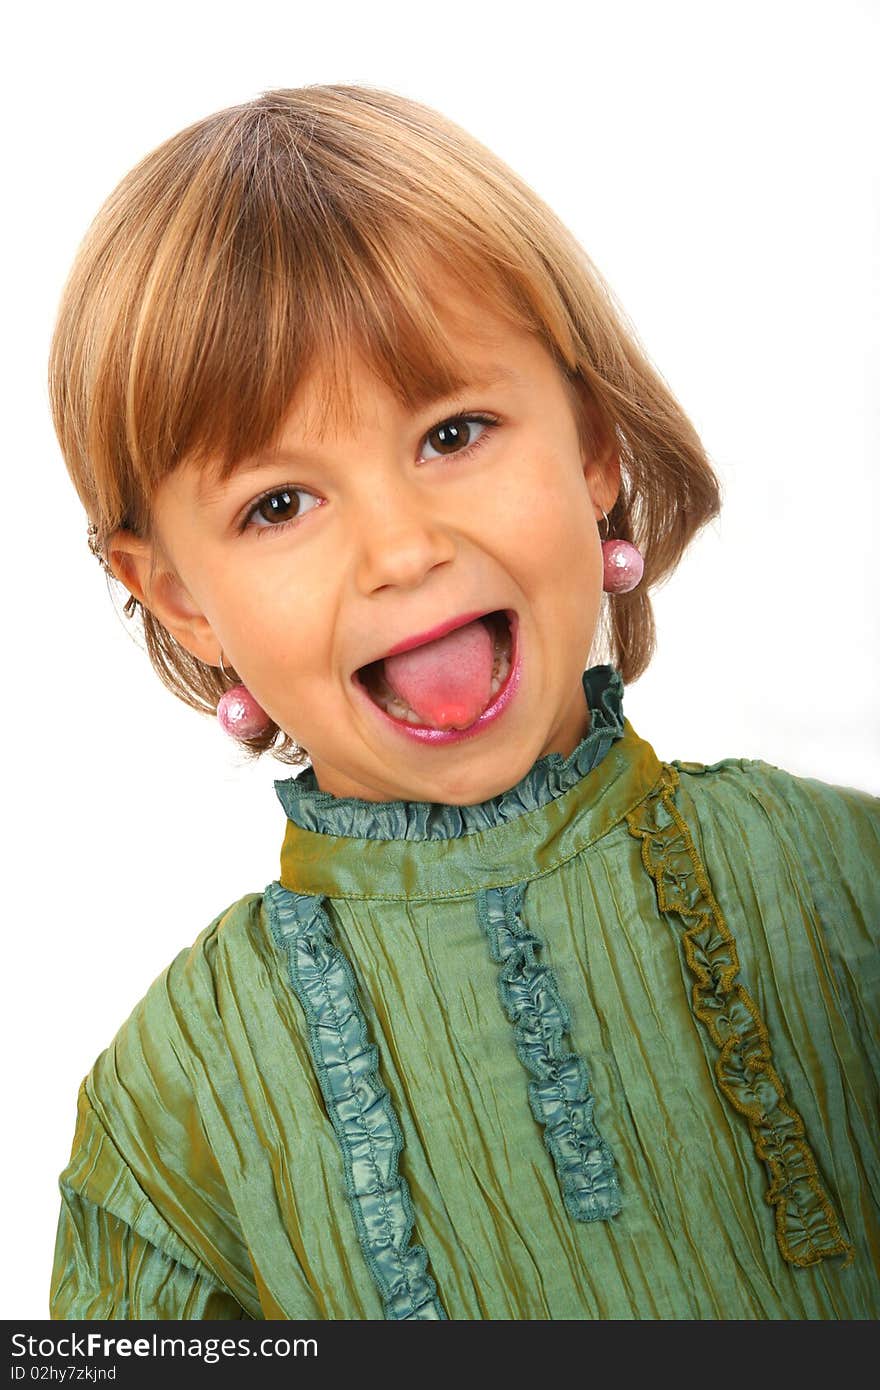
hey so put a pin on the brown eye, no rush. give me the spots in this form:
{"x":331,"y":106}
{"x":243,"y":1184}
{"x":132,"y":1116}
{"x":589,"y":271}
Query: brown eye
{"x":283,"y":506}
{"x":278,"y":506}
{"x":451,"y":435}
{"x":459,"y":434}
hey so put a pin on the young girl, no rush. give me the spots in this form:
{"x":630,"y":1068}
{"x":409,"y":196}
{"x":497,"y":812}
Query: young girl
{"x":531,"y":1024}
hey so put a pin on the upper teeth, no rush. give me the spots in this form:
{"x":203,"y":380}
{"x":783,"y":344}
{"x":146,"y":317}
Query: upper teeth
{"x":500,"y":668}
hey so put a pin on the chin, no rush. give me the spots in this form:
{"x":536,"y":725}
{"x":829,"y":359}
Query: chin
{"x":475,"y":785}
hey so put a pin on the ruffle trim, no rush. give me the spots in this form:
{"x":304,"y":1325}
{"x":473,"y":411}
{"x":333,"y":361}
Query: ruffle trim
{"x":559,"y":1094}
{"x":807,"y":1228}
{"x":369,"y":1134}
{"x":549,"y":777}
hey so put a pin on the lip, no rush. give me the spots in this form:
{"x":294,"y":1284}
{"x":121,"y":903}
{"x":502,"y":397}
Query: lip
{"x":422,"y":638}
{"x":502,"y":700}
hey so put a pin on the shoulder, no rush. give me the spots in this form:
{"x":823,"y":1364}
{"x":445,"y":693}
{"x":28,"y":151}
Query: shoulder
{"x":751,"y":775}
{"x":233,"y":943}
{"x":795,"y":864}
{"x":825,"y":830}
{"x":178,"y":1026}
{"x":144,"y":1098}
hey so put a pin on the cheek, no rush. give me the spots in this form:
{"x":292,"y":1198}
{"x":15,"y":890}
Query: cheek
{"x":282,"y":628}
{"x":550,"y":529}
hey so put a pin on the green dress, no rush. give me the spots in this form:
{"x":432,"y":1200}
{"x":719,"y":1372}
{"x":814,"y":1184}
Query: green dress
{"x":603,"y":1046}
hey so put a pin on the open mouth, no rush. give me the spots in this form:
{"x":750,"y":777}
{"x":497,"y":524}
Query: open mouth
{"x":373,"y":679}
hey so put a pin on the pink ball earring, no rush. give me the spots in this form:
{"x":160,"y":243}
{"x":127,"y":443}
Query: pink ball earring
{"x":623,"y":564}
{"x":238,"y":712}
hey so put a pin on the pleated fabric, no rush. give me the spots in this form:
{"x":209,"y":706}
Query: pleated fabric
{"x":605,"y":1046}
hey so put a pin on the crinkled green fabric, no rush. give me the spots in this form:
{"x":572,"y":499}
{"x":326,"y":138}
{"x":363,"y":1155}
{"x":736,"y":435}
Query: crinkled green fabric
{"x":671,"y":966}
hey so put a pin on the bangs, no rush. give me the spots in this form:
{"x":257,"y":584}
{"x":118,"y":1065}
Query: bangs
{"x":250,"y":251}
{"x":393,"y":312}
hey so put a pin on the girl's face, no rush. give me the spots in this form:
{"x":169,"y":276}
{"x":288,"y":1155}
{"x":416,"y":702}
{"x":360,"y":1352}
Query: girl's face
{"x":309,"y":564}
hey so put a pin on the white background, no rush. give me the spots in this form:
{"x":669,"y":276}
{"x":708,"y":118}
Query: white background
{"x":719,"y":164}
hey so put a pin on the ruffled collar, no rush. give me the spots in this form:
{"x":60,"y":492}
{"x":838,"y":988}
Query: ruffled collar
{"x":309,"y":808}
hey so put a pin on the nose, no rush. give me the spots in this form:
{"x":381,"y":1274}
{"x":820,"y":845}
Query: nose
{"x":398,"y":539}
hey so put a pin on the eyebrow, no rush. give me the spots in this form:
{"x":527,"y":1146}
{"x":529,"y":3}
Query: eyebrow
{"x":207,"y":488}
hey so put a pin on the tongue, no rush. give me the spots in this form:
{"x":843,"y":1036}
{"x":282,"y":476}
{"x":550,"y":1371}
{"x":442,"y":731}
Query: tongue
{"x":447,"y":682}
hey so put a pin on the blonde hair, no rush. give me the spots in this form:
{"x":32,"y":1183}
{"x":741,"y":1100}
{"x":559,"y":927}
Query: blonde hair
{"x":281,"y":233}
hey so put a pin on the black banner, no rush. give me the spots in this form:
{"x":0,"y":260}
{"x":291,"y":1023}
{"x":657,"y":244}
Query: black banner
{"x":291,"y":1354}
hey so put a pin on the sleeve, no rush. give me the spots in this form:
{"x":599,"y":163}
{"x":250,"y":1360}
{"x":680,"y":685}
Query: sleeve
{"x":115,"y":1255}
{"x":105,"y":1269}
{"x":834,"y":833}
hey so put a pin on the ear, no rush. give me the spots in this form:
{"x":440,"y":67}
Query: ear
{"x":602,"y":465}
{"x":602,"y":473}
{"x":149,"y":575}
